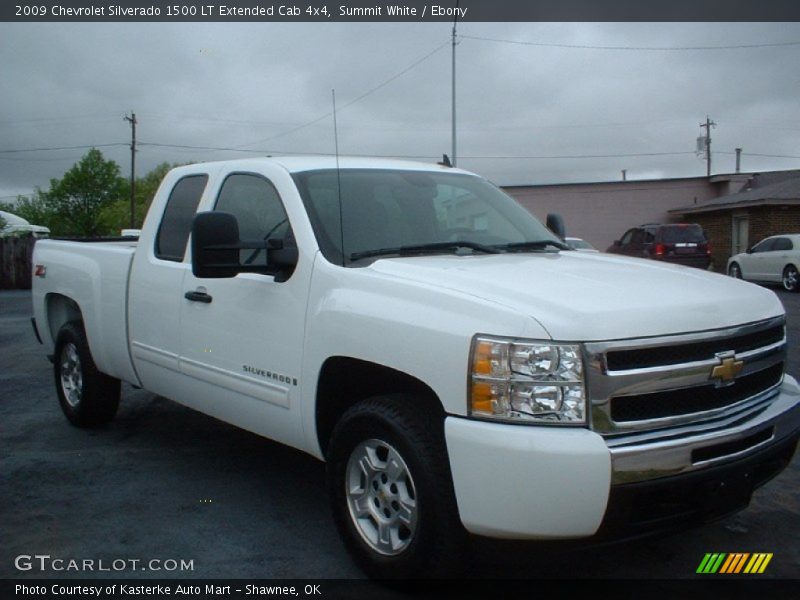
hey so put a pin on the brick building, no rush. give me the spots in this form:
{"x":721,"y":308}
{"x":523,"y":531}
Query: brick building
{"x":736,"y":210}
{"x":767,"y":204}
{"x":601,"y":212}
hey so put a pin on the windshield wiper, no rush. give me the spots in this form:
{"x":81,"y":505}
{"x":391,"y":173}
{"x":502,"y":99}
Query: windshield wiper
{"x":417,"y":249}
{"x":534,"y":245}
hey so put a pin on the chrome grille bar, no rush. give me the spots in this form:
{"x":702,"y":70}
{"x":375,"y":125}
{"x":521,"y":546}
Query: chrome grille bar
{"x":604,"y":385}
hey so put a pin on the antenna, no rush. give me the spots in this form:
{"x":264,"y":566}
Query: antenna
{"x":338,"y":174}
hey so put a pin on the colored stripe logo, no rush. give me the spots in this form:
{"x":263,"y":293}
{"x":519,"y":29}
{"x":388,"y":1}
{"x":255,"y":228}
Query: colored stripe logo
{"x":734,"y":563}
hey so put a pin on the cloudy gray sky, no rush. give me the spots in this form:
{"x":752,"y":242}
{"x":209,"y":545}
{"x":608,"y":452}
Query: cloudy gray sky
{"x":266,"y":87}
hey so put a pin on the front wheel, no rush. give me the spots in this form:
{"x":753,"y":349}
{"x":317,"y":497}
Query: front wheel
{"x":391,"y":490}
{"x":88,"y":397}
{"x":791,"y":279}
{"x":735,"y":271}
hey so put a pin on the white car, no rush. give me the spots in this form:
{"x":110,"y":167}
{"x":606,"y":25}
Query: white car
{"x":15,"y":225}
{"x":775,"y":259}
{"x":580,"y":244}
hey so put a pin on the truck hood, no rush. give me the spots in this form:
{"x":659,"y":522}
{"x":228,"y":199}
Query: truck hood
{"x":581,"y":296}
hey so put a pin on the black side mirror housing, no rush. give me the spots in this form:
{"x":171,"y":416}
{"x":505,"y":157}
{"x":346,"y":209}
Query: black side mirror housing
{"x":555,"y":223}
{"x":749,"y":251}
{"x":216,"y":246}
{"x":215,"y":241}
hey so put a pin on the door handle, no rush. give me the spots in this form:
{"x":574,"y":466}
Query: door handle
{"x":198,"y":297}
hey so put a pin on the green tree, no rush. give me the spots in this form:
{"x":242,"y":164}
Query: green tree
{"x":117,"y":215}
{"x":37,"y":210}
{"x":80,"y":195}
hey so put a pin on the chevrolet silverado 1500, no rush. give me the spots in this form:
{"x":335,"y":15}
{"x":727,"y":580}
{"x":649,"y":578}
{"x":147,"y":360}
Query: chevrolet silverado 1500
{"x":456,"y":365}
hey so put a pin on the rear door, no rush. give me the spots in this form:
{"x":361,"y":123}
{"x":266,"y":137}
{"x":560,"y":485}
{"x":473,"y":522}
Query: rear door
{"x":777,"y":258}
{"x":155,"y":297}
{"x":624,"y":246}
{"x":241,"y":344}
{"x":637,"y":245}
{"x":757,"y":262}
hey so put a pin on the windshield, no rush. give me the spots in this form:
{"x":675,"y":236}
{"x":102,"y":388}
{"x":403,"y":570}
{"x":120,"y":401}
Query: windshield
{"x":392,"y":209}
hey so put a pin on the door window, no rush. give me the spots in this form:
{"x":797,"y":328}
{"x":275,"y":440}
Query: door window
{"x":638,"y":237}
{"x":626,"y":239}
{"x":764,"y":246}
{"x":782,"y":244}
{"x":255,"y":203}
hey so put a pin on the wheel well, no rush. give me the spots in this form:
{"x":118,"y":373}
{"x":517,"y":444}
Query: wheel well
{"x":60,"y":310}
{"x":345,"y":381}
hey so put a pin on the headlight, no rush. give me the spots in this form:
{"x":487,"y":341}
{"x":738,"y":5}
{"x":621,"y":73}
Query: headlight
{"x":525,"y":381}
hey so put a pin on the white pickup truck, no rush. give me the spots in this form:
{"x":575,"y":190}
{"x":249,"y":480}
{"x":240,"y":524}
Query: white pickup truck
{"x":454,"y":363}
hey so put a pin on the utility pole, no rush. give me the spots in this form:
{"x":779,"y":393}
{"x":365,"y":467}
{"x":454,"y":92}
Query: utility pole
{"x":708,"y":125}
{"x":455,"y":20}
{"x":132,"y":121}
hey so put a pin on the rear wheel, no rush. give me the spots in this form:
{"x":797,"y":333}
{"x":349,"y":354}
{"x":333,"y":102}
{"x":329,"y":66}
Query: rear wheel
{"x":791,"y":279}
{"x":735,"y":271}
{"x":88,"y":397}
{"x":391,"y":490}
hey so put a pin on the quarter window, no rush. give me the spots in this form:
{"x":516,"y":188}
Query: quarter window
{"x":176,"y":224}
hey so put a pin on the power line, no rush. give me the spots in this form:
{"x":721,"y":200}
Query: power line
{"x":493,"y":157}
{"x":188,"y":147}
{"x":641,"y":154}
{"x":761,"y":155}
{"x":20,"y":150}
{"x":636,"y":48}
{"x":162,"y":117}
{"x":265,"y":152}
{"x":53,"y":159}
{"x":46,"y":119}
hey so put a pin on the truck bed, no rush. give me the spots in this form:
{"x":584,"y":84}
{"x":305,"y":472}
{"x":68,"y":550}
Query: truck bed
{"x":95,"y":274}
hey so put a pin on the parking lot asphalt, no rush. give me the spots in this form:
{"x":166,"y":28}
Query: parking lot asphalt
{"x":163,"y":482}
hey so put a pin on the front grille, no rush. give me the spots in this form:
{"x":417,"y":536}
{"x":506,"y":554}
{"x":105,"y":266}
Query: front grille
{"x":687,"y":401}
{"x":641,"y":358}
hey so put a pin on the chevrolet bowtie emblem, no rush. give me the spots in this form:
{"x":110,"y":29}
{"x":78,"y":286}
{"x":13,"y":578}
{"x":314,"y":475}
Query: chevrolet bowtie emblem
{"x":728,"y":369}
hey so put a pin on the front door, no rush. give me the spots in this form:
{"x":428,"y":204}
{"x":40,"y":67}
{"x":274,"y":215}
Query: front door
{"x":241,"y":337}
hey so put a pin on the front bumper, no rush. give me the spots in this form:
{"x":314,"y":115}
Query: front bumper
{"x":535,"y":482}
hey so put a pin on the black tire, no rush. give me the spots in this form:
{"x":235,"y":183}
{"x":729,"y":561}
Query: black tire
{"x":735,"y":271}
{"x":434,"y":545}
{"x":791,"y":279}
{"x":88,"y":397}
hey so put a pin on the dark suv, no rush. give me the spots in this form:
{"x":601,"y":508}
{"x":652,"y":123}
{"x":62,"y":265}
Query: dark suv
{"x":680,"y":243}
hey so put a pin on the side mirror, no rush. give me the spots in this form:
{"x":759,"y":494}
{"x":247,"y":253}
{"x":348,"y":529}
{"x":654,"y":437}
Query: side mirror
{"x":215,"y":245}
{"x":555,"y":223}
{"x":749,"y":251}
